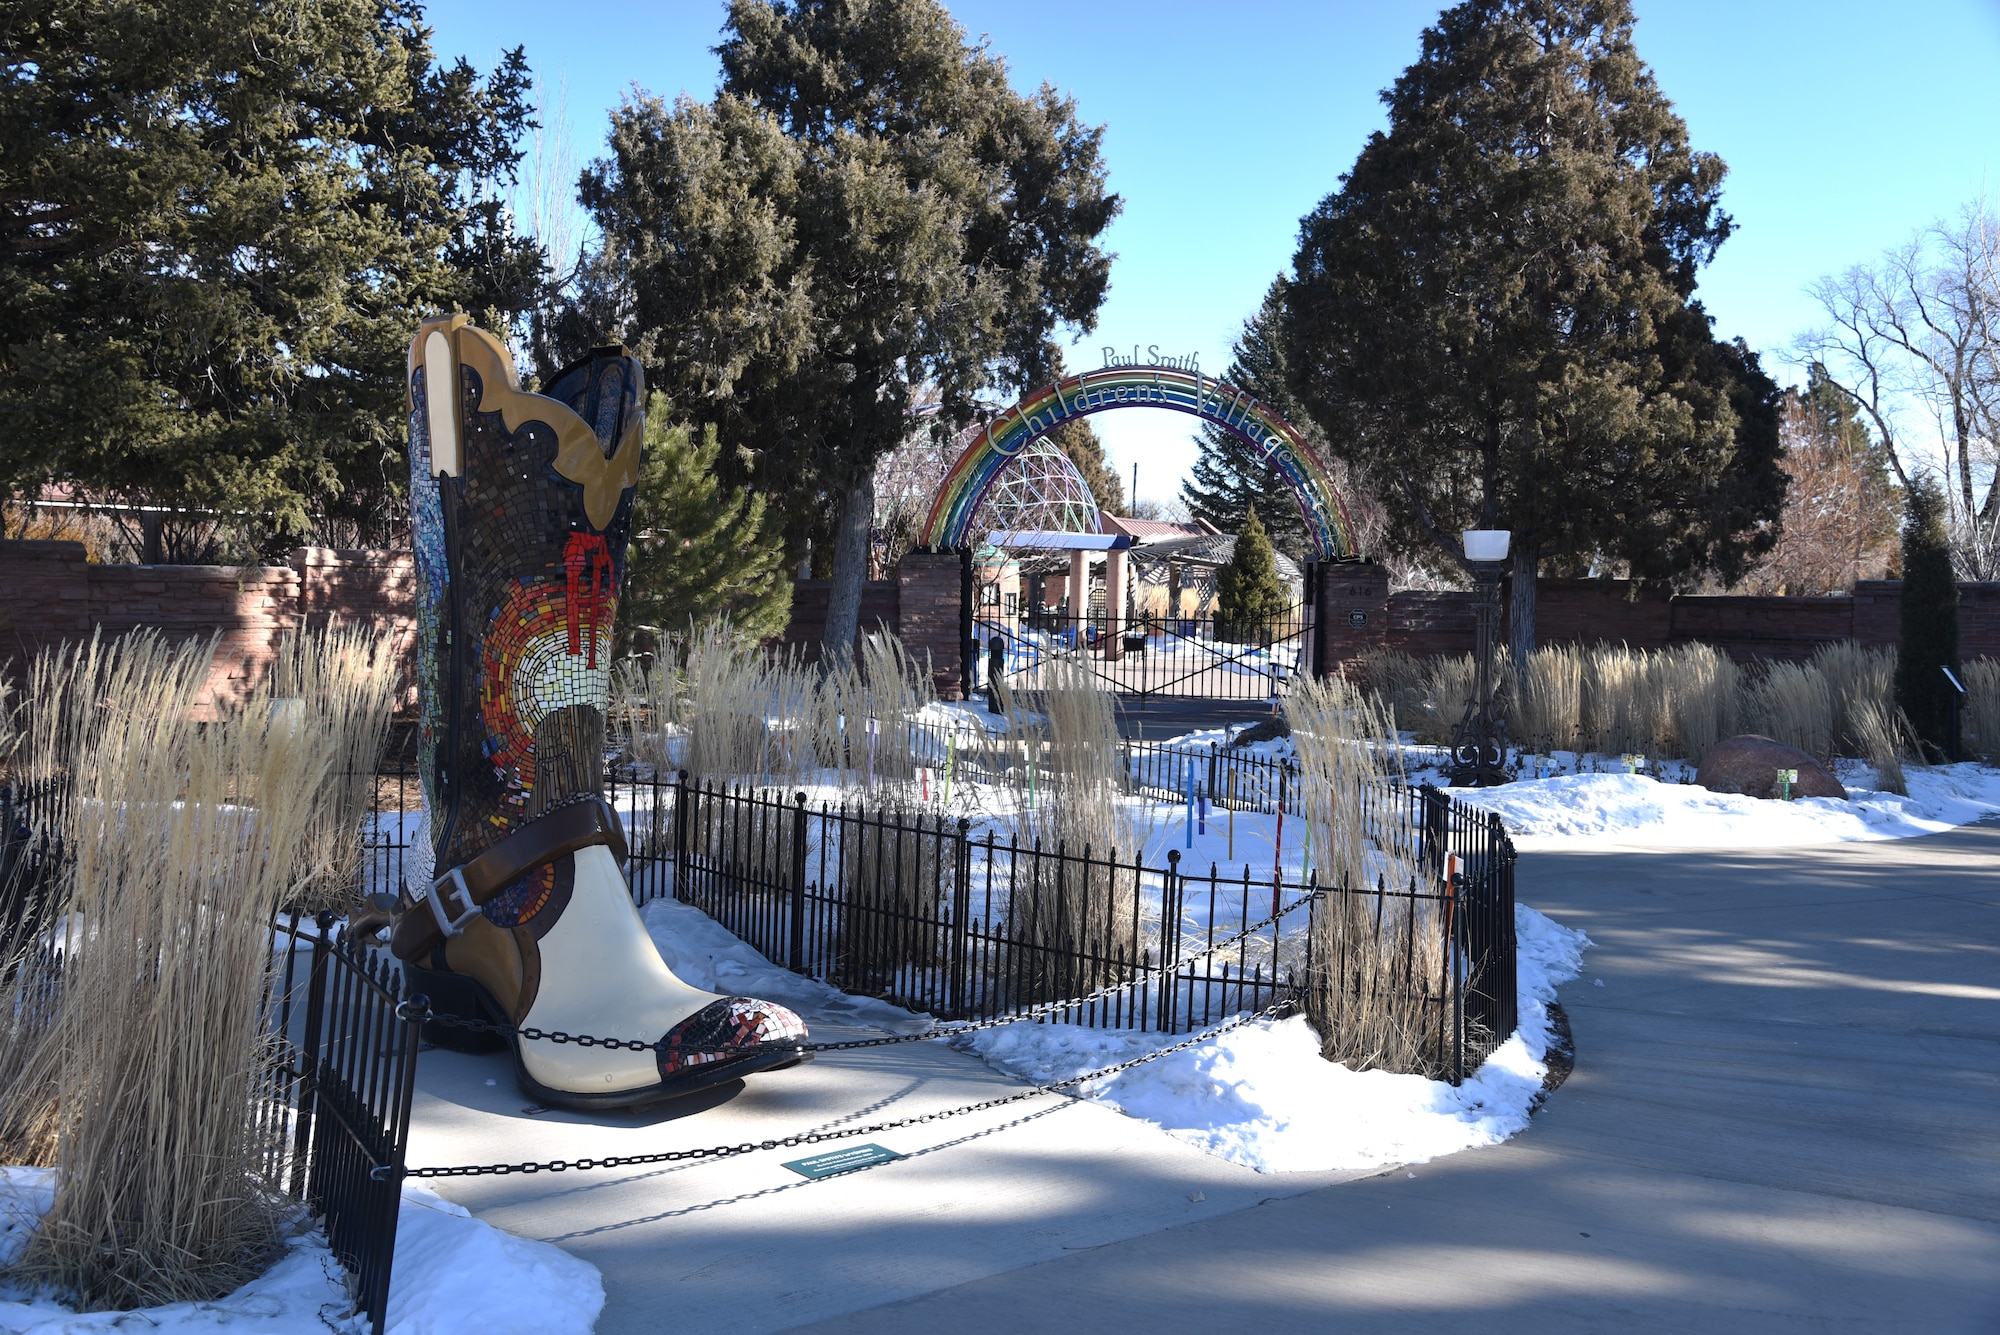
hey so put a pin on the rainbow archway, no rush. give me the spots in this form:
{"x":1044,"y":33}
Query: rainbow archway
{"x":1170,"y":387}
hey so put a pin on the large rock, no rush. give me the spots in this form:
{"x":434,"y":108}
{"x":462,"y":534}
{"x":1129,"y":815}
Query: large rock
{"x":1269,"y":730}
{"x":1750,"y":765}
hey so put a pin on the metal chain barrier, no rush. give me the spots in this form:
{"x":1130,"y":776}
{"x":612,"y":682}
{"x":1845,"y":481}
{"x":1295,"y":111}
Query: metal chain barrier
{"x":821,"y":1137}
{"x":951,"y":1030}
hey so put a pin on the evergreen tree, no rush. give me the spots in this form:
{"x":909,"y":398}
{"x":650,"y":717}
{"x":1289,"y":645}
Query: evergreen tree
{"x":1079,"y":442}
{"x":1930,"y":620}
{"x":1249,"y":596}
{"x":1230,"y":475}
{"x":866,"y":206}
{"x":1494,"y":321}
{"x":699,"y":550}
{"x":221,"y":222}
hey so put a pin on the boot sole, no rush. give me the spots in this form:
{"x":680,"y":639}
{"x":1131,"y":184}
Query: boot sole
{"x":464,"y":998}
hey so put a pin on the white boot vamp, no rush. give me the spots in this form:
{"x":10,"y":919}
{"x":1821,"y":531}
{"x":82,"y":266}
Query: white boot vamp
{"x":601,"y":976}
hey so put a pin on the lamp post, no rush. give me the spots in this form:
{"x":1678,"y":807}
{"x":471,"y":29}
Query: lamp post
{"x":1477,"y":753}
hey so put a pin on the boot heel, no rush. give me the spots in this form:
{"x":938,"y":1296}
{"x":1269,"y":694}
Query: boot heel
{"x":460,"y":998}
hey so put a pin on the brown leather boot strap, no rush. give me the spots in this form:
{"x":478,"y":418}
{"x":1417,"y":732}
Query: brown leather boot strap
{"x":456,"y":897}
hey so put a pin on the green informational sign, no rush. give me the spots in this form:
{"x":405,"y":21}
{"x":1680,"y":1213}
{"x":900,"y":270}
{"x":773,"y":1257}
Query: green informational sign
{"x":842,"y":1161}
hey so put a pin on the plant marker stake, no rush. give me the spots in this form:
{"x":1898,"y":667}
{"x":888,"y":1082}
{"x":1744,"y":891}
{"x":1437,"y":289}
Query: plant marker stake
{"x":873,"y":726}
{"x":950,"y":763}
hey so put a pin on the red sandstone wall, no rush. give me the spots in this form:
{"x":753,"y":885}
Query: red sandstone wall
{"x":363,"y":586}
{"x":53,"y":596}
{"x":44,"y":597}
{"x":921,"y":604}
{"x":808,"y":623}
{"x":248,"y":610}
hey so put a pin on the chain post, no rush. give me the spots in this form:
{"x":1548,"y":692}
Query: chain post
{"x":961,"y":915}
{"x":798,"y":874}
{"x":1170,"y":939}
{"x":680,"y":828}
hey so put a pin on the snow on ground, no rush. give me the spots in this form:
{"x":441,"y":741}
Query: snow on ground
{"x":452,"y":1273}
{"x":1261,"y":1096}
{"x":1577,"y":810}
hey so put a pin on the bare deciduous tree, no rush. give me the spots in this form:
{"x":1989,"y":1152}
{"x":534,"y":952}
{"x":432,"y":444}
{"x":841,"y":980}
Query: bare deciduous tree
{"x":1915,"y":338}
{"x":1840,"y":514}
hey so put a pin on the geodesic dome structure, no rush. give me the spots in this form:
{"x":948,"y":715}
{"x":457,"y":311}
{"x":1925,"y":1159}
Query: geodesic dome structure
{"x":1040,"y":490}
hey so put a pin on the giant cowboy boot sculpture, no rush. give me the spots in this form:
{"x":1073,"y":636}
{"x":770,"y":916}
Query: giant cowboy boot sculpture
{"x":517,"y":911}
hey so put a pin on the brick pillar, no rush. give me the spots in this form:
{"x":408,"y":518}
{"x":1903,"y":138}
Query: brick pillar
{"x":928,"y":588}
{"x":1354,"y":614}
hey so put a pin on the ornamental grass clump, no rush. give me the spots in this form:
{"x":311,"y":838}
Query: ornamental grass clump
{"x":339,"y":683}
{"x":647,"y":697}
{"x":1856,"y":677}
{"x":1073,"y":901}
{"x":1545,"y":703}
{"x":1704,"y":688}
{"x":1883,"y":735}
{"x":141,"y":1080}
{"x":728,"y":694}
{"x":1375,"y":991}
{"x":1793,"y":704}
{"x":1982,"y":709}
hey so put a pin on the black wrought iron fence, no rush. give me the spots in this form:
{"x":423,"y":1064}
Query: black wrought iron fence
{"x":965,"y":921}
{"x":32,"y":819}
{"x":962,"y":924}
{"x":351,"y":1073}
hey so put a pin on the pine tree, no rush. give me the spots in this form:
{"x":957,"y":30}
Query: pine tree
{"x":866,"y":206}
{"x":1249,"y":596}
{"x":220,"y":223}
{"x":1494,"y":316}
{"x":1082,"y":447}
{"x":699,"y":551}
{"x":1930,"y":620}
{"x":1230,"y":475}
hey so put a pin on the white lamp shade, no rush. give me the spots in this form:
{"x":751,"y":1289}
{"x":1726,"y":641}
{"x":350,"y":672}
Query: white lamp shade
{"x":1486,"y":544}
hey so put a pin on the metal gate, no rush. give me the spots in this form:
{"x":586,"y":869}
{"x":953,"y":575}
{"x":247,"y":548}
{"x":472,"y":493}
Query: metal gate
{"x":1152,"y":656}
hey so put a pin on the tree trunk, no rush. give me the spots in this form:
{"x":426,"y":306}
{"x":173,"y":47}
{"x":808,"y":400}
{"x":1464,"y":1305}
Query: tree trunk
{"x":850,"y":568}
{"x":1521,"y":611}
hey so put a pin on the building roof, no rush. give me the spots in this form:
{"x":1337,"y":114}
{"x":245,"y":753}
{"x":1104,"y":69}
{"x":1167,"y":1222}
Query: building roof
{"x":1146,"y":531}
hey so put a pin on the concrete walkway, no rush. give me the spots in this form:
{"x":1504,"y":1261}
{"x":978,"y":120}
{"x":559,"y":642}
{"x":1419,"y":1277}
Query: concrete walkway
{"x":1783,"y":1116}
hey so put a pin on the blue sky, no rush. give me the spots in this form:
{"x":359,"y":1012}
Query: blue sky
{"x":1846,"y":125}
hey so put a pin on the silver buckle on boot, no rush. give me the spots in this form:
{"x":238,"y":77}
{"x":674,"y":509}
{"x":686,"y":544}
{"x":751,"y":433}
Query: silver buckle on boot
{"x":447,"y":923}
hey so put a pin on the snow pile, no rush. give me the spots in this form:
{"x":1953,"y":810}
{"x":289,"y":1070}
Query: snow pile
{"x":1261,"y":1096}
{"x":1635,"y":809}
{"x":452,"y":1273}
